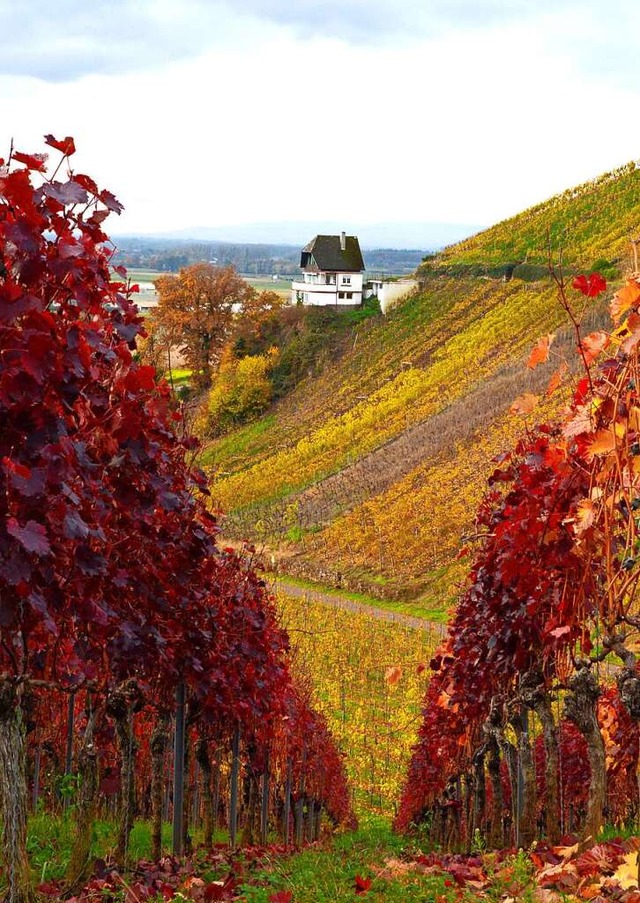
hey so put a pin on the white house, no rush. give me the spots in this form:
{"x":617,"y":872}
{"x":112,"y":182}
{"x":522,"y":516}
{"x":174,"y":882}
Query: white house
{"x":332,"y":268}
{"x":146,"y":300}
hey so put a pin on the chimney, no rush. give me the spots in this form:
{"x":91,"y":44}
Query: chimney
{"x":343,"y":241}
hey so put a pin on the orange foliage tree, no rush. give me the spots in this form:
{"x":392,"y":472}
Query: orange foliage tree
{"x":200,"y":310}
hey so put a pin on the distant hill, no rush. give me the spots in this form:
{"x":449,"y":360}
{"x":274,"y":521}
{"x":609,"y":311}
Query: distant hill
{"x":425,"y":236}
{"x":169,"y":254}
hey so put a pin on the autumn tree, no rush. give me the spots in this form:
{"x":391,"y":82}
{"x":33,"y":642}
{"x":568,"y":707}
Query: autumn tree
{"x":199,"y":310}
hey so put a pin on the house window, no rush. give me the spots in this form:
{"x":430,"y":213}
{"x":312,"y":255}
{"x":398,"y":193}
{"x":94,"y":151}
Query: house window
{"x":349,"y":296}
{"x":346,"y":280}
{"x":340,"y":294}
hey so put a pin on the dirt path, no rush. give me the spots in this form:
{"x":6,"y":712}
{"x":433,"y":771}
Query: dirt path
{"x":336,"y":600}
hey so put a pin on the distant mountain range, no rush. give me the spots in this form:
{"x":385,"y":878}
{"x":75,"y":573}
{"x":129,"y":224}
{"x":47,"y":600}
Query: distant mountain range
{"x":422,"y":236}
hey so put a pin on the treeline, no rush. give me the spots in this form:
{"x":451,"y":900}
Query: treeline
{"x":169,"y":255}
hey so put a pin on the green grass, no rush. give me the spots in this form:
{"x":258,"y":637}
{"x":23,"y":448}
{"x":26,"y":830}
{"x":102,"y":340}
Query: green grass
{"x":178,"y":377}
{"x":244,"y":442}
{"x":51,"y":837}
{"x":327,"y":874}
{"x":320,"y":873}
{"x":265,"y":284}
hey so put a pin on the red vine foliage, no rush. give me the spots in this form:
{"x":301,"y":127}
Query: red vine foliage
{"x":552,"y":593}
{"x":109,"y":568}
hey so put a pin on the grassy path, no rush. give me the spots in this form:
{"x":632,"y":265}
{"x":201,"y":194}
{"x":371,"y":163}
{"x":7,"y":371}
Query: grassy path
{"x":350,"y":602}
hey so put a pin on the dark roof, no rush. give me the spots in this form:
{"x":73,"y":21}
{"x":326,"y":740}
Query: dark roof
{"x":327,"y":254}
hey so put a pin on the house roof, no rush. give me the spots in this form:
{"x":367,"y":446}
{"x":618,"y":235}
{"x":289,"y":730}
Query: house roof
{"x":324,"y":253}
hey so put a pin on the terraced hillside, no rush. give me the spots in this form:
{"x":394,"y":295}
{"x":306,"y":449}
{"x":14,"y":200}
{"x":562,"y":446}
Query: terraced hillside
{"x":368,"y":473}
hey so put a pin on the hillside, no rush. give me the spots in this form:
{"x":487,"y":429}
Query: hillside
{"x":369,"y":471}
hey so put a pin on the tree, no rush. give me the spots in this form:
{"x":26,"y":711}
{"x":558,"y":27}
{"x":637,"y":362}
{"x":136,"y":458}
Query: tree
{"x":241,"y":392}
{"x":196,"y":311}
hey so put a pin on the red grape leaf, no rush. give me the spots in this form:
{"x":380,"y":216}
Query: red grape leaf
{"x":591,"y":286}
{"x":67,"y":145}
{"x":32,"y":161}
{"x":32,"y":537}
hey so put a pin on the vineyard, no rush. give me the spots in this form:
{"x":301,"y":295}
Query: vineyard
{"x":172,"y":729}
{"x":323,"y":478}
{"x":368,"y":678}
{"x":136,"y":654}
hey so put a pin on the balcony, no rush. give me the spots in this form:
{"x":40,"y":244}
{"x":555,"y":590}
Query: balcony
{"x":315,"y":287}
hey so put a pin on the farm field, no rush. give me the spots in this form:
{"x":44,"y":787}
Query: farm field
{"x":265,"y":284}
{"x":140,"y":275}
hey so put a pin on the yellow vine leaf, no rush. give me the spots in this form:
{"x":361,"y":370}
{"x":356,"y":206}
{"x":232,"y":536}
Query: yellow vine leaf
{"x":584,"y":517}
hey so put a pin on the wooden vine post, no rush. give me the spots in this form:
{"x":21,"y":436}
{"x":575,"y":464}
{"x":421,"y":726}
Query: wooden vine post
{"x":233,"y":802}
{"x":13,"y":796}
{"x":299,"y":806}
{"x":178,"y":770}
{"x":68,"y":761}
{"x":286,"y":815}
{"x":264,"y":809}
{"x":158,"y":746}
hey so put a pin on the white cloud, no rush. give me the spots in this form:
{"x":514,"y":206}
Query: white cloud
{"x":62,"y":41}
{"x":468,"y":126}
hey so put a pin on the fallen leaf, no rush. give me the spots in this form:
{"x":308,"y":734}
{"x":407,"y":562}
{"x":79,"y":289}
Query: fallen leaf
{"x":627,"y":872}
{"x":544,"y":895}
{"x":362,"y":885}
{"x":282,"y":896}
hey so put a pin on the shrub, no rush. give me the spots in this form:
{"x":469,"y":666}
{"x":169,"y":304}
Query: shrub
{"x":242,"y":391}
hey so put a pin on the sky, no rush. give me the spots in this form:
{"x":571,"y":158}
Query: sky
{"x":213,"y":113}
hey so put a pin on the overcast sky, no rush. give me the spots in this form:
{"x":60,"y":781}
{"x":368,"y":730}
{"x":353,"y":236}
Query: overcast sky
{"x":216,"y":112}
